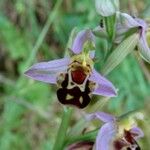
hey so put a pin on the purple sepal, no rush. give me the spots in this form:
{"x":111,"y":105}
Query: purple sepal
{"x":104,"y":87}
{"x":82,"y":37}
{"x":47,"y":71}
{"x":101,"y":116}
{"x":144,"y":48}
{"x":105,"y":136}
{"x":136,"y":132}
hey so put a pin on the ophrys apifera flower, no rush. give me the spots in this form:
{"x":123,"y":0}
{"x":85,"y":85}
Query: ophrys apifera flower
{"x":74,"y":76}
{"x":116,"y":135}
{"x":126,"y":23}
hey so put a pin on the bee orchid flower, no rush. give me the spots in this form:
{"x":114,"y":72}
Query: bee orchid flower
{"x":126,"y":23}
{"x":114,"y":135}
{"x":74,"y":76}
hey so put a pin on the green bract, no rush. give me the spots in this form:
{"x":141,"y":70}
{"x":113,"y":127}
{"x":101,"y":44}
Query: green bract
{"x":120,"y":53}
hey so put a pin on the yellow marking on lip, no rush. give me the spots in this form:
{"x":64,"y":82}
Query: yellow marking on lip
{"x":69,"y":97}
{"x":81,"y":99}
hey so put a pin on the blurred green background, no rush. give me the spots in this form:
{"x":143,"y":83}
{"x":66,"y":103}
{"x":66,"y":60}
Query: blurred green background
{"x":38,"y":30}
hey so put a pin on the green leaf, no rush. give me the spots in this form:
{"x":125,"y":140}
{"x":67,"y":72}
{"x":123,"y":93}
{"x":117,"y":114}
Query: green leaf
{"x":118,"y":55}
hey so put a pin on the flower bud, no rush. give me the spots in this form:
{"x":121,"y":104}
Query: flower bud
{"x":106,"y":7}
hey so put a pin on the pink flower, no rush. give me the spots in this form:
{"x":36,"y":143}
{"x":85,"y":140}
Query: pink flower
{"x":113,"y":137}
{"x":75,"y":76}
{"x":125,"y":24}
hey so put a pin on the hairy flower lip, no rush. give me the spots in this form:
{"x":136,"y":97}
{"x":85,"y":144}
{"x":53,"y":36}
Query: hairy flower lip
{"x":78,"y":76}
{"x":108,"y":131}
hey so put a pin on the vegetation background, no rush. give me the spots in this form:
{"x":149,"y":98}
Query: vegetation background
{"x":38,"y":30}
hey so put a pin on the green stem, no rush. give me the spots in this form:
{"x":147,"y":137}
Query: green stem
{"x":61,"y":135}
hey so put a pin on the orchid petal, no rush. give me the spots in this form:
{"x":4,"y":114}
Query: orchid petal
{"x":101,"y":116}
{"x":81,"y":38}
{"x":144,"y":48}
{"x":128,"y":21}
{"x":105,"y":136}
{"x":143,"y":45}
{"x":142,"y":23}
{"x":47,"y":71}
{"x":136,"y":132}
{"x":104,"y":87}
{"x":121,"y":30}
